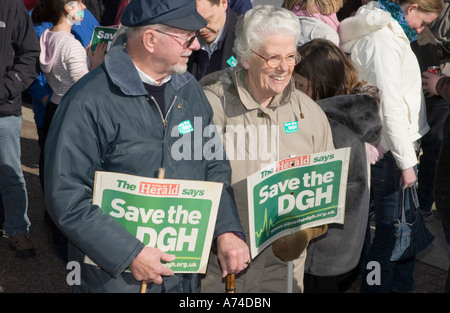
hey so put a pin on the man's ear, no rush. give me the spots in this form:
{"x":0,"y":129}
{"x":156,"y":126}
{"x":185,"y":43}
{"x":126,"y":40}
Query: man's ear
{"x":148,"y":39}
{"x":224,"y":4}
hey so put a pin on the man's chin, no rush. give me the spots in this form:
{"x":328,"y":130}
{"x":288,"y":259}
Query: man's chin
{"x":179,"y":69}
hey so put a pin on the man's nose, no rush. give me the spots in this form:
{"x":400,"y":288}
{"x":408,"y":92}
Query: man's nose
{"x":195,"y":45}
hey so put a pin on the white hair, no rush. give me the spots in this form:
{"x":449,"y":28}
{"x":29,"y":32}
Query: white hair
{"x":261,"y":22}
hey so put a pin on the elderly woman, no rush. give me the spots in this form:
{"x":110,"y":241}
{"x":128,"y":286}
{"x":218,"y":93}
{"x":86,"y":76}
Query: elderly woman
{"x":260,"y":94}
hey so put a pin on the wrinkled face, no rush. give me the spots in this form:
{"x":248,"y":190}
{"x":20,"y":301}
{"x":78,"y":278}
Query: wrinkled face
{"x":173,"y":52}
{"x":417,"y":19}
{"x":263,"y":81}
{"x":215,"y":16}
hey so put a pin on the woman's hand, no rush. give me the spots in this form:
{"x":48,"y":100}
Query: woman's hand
{"x":98,"y":56}
{"x":408,"y":177}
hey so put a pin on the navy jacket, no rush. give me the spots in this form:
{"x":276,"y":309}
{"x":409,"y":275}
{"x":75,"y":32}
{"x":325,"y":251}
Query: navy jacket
{"x":19,"y":55}
{"x":108,"y":122}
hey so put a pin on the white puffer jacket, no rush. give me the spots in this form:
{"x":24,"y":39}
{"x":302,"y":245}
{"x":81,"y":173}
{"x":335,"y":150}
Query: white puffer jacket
{"x":381,"y":51}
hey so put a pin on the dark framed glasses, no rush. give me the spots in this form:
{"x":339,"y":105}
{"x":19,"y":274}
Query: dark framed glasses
{"x":275,"y":60}
{"x":189,"y":41}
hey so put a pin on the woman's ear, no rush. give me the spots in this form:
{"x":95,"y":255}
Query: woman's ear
{"x":67,"y":9}
{"x":72,"y":5}
{"x":411,"y":7}
{"x":245,"y":64}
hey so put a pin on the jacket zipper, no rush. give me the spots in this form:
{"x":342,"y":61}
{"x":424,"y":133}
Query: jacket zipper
{"x":164,"y":119}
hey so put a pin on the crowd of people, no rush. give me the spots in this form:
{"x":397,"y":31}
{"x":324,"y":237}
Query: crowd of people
{"x":350,"y":74}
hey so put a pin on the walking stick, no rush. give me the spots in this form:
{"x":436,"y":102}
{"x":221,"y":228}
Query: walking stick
{"x":143,"y":287}
{"x":230,"y":286}
{"x":144,"y":283}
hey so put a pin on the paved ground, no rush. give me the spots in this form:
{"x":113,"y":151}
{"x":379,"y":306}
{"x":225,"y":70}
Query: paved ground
{"x":46,"y":274}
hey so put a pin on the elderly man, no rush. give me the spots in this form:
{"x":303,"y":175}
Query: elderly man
{"x":120,"y":118}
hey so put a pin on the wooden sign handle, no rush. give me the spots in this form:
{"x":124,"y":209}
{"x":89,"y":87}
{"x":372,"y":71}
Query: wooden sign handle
{"x":143,"y":287}
{"x":143,"y":283}
{"x":230,"y":285}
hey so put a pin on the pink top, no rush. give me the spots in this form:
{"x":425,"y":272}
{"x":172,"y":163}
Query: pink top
{"x":330,"y":19}
{"x":63,"y":61}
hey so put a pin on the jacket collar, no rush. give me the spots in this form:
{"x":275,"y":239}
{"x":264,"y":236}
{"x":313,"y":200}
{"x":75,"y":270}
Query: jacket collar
{"x":124,"y":75}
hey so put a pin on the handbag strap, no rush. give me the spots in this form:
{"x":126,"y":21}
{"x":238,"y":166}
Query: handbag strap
{"x":414,"y":206}
{"x":402,"y":203}
{"x":415,"y":198}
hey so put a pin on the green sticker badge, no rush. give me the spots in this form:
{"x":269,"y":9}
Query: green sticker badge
{"x":232,"y":61}
{"x":291,"y":127}
{"x":185,"y":127}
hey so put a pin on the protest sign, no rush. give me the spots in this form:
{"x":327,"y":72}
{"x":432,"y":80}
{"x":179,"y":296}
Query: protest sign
{"x":176,"y":216}
{"x":102,"y":34}
{"x":295,"y":194}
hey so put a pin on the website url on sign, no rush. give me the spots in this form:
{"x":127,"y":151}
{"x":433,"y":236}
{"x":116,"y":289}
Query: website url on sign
{"x":181,"y":264}
{"x":305,"y":219}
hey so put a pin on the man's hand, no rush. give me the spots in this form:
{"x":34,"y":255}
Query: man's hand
{"x":429,"y":82}
{"x":233,"y":253}
{"x":148,"y":267}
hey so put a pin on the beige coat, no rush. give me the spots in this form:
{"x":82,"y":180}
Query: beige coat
{"x":266,"y":141}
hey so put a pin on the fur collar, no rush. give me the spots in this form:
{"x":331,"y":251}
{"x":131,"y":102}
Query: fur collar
{"x":357,"y":112}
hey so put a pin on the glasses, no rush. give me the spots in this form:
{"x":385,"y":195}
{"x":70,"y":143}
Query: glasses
{"x":189,"y":41}
{"x":275,"y":60}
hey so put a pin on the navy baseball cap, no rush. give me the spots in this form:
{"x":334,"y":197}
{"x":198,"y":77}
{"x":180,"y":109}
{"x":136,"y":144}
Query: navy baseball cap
{"x":175,"y":13}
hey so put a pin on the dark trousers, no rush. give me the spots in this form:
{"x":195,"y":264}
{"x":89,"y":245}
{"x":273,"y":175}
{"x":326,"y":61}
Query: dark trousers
{"x":394,"y":276}
{"x":430,"y":144}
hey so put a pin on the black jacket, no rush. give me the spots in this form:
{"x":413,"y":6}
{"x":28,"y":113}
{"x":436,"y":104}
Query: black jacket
{"x":199,"y":64}
{"x":19,"y":55}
